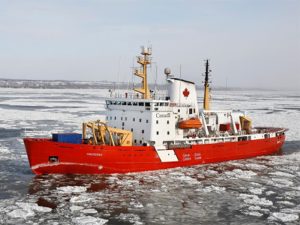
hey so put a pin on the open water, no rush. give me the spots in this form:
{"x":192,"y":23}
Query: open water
{"x":263,"y":190}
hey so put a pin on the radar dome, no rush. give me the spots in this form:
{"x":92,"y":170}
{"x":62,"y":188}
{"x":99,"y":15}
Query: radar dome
{"x":167,"y":71}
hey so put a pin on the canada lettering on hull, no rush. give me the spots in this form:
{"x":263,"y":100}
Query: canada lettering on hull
{"x":146,"y":131}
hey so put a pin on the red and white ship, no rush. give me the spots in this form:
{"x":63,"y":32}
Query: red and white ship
{"x":144,"y":131}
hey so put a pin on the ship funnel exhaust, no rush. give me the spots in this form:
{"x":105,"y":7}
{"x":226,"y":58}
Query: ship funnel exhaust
{"x":206,"y":101}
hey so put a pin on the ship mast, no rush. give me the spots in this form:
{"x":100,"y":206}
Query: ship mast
{"x":144,"y":60}
{"x":206,"y":102}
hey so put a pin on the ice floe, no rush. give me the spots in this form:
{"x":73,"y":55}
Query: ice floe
{"x":284,"y":217}
{"x":238,"y":173}
{"x":71,"y":189}
{"x":76,"y":208}
{"x":89,"y":211}
{"x":213,"y":188}
{"x":80,"y":198}
{"x":256,"y":191}
{"x":89,"y":220}
{"x":132,"y":218}
{"x":26,"y":210}
{"x":255,"y":200}
{"x":282,"y":174}
{"x":254,"y":213}
{"x":4,"y":149}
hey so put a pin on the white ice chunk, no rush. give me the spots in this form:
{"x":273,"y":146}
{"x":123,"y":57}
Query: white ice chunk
{"x":89,"y":211}
{"x":284,"y":217}
{"x":255,"y":200}
{"x":33,"y":206}
{"x":136,"y":204}
{"x":20,"y":213}
{"x":286,"y":203}
{"x":256,"y":191}
{"x":89,"y":220}
{"x":254,"y":208}
{"x":75,"y":208}
{"x":72,"y":189}
{"x":132,"y":218}
{"x":254,"y":213}
{"x":282,"y":174}
{"x":254,"y":166}
{"x":80,"y":199}
{"x":238,"y":173}
{"x":3,"y":149}
{"x":213,"y":188}
{"x":270,"y":193}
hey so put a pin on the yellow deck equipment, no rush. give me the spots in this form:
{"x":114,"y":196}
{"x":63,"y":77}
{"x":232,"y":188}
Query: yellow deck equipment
{"x":105,"y":135}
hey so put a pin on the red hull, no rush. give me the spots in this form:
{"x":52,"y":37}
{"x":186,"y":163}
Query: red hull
{"x":89,"y":159}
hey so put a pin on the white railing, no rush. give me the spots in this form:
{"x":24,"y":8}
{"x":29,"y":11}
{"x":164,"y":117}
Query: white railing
{"x":136,"y":96}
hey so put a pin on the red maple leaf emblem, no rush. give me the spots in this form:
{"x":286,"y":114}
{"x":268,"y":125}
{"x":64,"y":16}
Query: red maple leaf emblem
{"x":186,"y":92}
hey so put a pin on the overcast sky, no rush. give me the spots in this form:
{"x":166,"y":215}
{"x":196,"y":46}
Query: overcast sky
{"x":251,"y":43}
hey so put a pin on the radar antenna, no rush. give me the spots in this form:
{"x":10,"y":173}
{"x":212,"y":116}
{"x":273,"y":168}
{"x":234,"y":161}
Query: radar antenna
{"x":144,"y":60}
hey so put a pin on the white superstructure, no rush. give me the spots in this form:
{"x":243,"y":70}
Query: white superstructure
{"x":155,"y":120}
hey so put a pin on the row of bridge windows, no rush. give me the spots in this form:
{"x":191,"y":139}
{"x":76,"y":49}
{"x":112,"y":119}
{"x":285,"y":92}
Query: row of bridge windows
{"x":133,"y":119}
{"x":137,"y":103}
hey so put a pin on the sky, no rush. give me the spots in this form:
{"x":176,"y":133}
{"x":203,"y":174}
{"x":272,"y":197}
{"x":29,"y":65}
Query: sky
{"x":250,"y":43}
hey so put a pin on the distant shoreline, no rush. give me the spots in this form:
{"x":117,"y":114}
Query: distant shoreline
{"x":68,"y":84}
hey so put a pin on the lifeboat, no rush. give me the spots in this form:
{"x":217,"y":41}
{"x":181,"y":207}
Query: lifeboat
{"x":193,"y":123}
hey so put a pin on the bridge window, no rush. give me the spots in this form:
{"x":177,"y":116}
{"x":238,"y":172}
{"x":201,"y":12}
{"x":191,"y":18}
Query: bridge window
{"x":142,"y":131}
{"x":135,"y":104}
{"x":133,"y":119}
{"x":140,"y":120}
{"x":141,"y":104}
{"x":115,"y":117}
{"x":190,"y":111}
{"x":123,"y":103}
{"x":147,"y":121}
{"x":147,"y":104}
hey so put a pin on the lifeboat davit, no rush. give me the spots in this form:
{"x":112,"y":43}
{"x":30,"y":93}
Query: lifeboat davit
{"x":193,"y":123}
